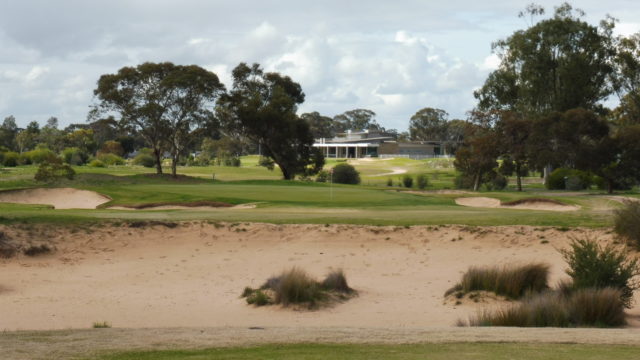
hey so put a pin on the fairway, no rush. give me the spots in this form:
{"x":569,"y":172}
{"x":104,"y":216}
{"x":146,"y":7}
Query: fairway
{"x":455,"y":351}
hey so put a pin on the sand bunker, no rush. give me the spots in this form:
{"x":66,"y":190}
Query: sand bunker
{"x":59,"y":198}
{"x":524,"y":204}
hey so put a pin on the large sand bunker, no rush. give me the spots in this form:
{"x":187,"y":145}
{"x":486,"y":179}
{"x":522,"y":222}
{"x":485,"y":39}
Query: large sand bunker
{"x":59,"y":198}
{"x":524,"y":204}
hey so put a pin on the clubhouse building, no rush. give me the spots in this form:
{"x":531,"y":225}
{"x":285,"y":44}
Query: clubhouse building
{"x":376,"y":144}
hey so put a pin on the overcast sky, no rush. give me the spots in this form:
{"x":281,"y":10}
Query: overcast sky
{"x":393,"y":57}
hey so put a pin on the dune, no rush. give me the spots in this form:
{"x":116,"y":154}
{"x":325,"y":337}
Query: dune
{"x":59,"y":198}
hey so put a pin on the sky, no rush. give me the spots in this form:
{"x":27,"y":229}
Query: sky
{"x":392,"y":57}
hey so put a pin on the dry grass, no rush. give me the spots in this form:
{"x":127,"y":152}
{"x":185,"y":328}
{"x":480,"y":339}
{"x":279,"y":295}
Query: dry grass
{"x":513,"y":281}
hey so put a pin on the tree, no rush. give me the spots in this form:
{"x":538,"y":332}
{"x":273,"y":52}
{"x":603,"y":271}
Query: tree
{"x":51,"y":136}
{"x":626,"y":79}
{"x":356,"y":120}
{"x":320,"y":126}
{"x":428,"y":124}
{"x":161,"y":101}
{"x":477,"y":157}
{"x":513,"y":132}
{"x":262,"y":106}
{"x":8,"y":132}
{"x":557,"y":64}
{"x":27,"y":138}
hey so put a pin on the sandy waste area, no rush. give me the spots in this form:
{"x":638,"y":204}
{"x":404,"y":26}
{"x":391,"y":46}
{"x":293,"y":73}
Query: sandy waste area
{"x":192,"y":275}
{"x":485,"y":202}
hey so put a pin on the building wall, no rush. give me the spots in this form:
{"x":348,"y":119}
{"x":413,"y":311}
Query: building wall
{"x":388,"y":148}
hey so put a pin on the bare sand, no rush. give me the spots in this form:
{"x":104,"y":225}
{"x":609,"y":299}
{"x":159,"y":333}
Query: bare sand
{"x":192,"y":275}
{"x":59,"y":198}
{"x":485,"y":202}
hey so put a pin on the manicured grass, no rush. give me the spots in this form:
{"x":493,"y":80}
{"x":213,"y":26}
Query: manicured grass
{"x":477,"y":351}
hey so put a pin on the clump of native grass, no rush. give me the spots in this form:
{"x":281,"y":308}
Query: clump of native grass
{"x":101,"y":325}
{"x":512,"y":281}
{"x":626,"y":222}
{"x":590,"y":307}
{"x":296,"y":287}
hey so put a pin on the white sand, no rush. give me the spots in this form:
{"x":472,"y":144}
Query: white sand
{"x":485,"y":202}
{"x":192,"y":275}
{"x":59,"y":198}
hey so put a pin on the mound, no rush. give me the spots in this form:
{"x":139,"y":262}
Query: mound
{"x":522,"y":204}
{"x":59,"y":198}
{"x":195,"y":205}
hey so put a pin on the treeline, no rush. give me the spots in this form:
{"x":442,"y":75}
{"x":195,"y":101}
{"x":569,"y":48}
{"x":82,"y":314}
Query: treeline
{"x":542,"y":109}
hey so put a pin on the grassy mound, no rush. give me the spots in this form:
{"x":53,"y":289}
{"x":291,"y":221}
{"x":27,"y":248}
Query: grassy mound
{"x":296,"y":287}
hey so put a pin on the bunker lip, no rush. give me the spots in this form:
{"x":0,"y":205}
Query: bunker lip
{"x":521,"y":204}
{"x":192,"y":205}
{"x":59,"y":198}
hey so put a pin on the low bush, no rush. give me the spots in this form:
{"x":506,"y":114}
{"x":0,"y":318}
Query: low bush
{"x":36,"y":250}
{"x":589,"y":307}
{"x":54,"y":170}
{"x":97,"y":163}
{"x":74,"y":156}
{"x":344,"y":173}
{"x":266,"y":162}
{"x":296,"y":287}
{"x":10,"y":159}
{"x":511,"y":281}
{"x":101,"y":325}
{"x":389,"y":182}
{"x":110,"y":159}
{"x":407,"y":181}
{"x":38,"y":156}
{"x":562,"y":178}
{"x":145,"y":160}
{"x":592,"y":266}
{"x":323,"y":176}
{"x":626,"y":223}
{"x":422,"y":182}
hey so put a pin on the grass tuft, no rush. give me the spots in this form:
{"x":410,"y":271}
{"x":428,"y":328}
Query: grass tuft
{"x":626,"y":222}
{"x":511,"y":281}
{"x":101,"y":325}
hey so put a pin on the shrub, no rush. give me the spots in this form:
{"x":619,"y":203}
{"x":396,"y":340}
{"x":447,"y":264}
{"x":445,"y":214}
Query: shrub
{"x":389,"y":182}
{"x":74,"y":156}
{"x":585,"y":307}
{"x":10,"y":159}
{"x":38,"y":156}
{"x":344,"y":173}
{"x":145,"y":160}
{"x":561,"y":178}
{"x":511,"y":281}
{"x":267,"y":162}
{"x":593,"y":266}
{"x":422,"y":181}
{"x":36,"y":250}
{"x":323,"y":176}
{"x":407,"y":181}
{"x":498,"y":182}
{"x":97,"y":163}
{"x":110,"y":159}
{"x":626,"y":222}
{"x":101,"y":325}
{"x":54,"y":170}
{"x":463,"y":182}
{"x":258,"y":298}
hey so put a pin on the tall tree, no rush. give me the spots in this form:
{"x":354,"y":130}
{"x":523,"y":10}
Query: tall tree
{"x":356,"y":120}
{"x":428,"y":124}
{"x":8,"y":132}
{"x":557,"y":64}
{"x":626,"y":79}
{"x":513,"y":133}
{"x":320,"y":126}
{"x":263,"y":106}
{"x":161,"y":101}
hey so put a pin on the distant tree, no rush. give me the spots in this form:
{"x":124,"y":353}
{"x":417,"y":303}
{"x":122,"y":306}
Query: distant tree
{"x":476,"y":158}
{"x":163,"y":102}
{"x":513,"y":134}
{"x":356,"y":120}
{"x":428,"y":124}
{"x":262,"y":106}
{"x":626,"y":79}
{"x":111,"y":147}
{"x":81,"y":139}
{"x":320,"y":126}
{"x":28,"y":138}
{"x":8,"y":132}
{"x":51,"y":136}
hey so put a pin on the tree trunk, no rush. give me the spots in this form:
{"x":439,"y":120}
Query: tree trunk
{"x":157,"y":154}
{"x":174,"y":165}
{"x":476,"y":182}
{"x":610,"y":186}
{"x":518,"y":177}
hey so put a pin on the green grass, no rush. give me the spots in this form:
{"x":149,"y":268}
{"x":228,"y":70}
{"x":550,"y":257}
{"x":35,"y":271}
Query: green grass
{"x":281,"y":201}
{"x":478,"y":351}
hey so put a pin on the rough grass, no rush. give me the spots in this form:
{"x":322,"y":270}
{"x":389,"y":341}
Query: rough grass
{"x":581,"y":308}
{"x":296,"y":287}
{"x":533,"y":200}
{"x":512,"y":281}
